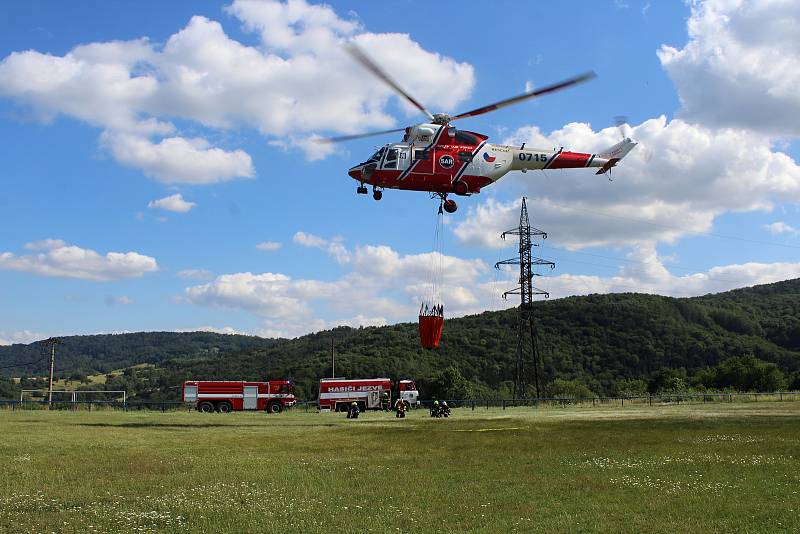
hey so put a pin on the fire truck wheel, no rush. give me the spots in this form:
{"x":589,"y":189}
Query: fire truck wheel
{"x":205,"y":407}
{"x":224,"y":407}
{"x":275,"y":407}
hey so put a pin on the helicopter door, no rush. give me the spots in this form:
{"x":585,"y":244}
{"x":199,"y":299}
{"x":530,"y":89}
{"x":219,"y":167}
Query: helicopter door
{"x":403,"y":160}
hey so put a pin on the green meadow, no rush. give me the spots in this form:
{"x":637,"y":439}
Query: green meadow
{"x":684,"y":468}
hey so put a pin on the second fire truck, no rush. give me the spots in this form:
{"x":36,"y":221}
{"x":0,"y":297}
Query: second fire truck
{"x":337,"y":394}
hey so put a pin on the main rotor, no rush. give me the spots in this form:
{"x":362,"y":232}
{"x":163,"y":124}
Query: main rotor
{"x":444,"y":119}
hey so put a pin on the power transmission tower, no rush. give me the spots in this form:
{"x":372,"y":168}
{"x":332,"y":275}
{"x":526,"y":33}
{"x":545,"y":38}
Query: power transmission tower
{"x":528,"y":358}
{"x":53,"y":341}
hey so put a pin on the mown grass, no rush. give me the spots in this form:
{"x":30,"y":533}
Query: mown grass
{"x":720,"y":467}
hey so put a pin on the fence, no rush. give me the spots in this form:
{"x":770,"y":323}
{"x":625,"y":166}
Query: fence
{"x":645,"y":400}
{"x":311,"y":406}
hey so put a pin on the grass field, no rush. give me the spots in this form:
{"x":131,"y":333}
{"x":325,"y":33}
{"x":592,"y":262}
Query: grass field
{"x":698,"y":468}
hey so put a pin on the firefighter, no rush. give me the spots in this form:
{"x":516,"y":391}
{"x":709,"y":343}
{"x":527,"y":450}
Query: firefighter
{"x":385,"y":401}
{"x":400,"y":408}
{"x":435,"y":409}
{"x":444,"y":410}
{"x":353,"y":412}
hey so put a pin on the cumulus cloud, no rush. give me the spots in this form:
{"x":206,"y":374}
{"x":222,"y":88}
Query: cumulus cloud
{"x":334,"y":246}
{"x":69,"y":261}
{"x":179,"y":160}
{"x":676,"y":184}
{"x":385,"y":286}
{"x":45,"y":244}
{"x":781,"y":227}
{"x":228,"y":330}
{"x":291,"y":329}
{"x":172,"y":203}
{"x":648,"y":274}
{"x":21,"y":336}
{"x":268,"y":294}
{"x":295,"y":80}
{"x":268,"y":246}
{"x":741,"y":66}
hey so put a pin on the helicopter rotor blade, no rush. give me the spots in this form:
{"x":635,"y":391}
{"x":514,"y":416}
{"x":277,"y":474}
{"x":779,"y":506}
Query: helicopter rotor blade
{"x":585,"y":77}
{"x":371,"y":66}
{"x":621,"y":121}
{"x":341,"y":138}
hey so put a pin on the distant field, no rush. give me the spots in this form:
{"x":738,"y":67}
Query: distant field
{"x":698,"y":468}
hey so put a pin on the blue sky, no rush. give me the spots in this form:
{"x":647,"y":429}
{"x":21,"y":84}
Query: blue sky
{"x":150,"y":147}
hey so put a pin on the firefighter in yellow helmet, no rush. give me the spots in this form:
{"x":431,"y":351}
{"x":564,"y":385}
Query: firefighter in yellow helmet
{"x":400,"y":407}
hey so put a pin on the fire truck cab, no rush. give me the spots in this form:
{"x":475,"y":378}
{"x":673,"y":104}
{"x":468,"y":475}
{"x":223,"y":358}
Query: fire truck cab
{"x":336,"y":394}
{"x":226,"y":396}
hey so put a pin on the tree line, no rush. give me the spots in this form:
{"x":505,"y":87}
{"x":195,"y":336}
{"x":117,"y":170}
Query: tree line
{"x":594,"y":345}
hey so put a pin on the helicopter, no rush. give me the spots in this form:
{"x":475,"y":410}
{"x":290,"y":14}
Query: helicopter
{"x":440,"y":159}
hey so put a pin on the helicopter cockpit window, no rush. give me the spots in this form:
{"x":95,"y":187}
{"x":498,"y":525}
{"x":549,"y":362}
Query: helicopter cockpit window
{"x":377,"y":155}
{"x":391,"y":159}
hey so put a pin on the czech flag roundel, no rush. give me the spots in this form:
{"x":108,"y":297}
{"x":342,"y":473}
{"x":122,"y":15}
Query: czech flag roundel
{"x":488,"y":158}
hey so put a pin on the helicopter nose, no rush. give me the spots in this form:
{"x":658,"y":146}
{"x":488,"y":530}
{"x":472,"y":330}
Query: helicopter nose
{"x":355,"y":173}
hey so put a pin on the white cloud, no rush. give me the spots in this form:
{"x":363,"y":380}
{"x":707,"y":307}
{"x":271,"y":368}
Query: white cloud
{"x":676,"y":184}
{"x":45,"y":244}
{"x":387,"y":284}
{"x":781,"y":227}
{"x":195,"y":274}
{"x":296,"y":79}
{"x":310,"y":145}
{"x":741,"y":66}
{"x":309,"y":240}
{"x":649,"y":275}
{"x":70,"y":261}
{"x":120,"y":300}
{"x":334,"y":247}
{"x":267,"y":294}
{"x":179,"y":160}
{"x":228,"y":330}
{"x":21,"y":336}
{"x":291,"y":329}
{"x":385,"y":263}
{"x":172,"y":203}
{"x":268,"y":246}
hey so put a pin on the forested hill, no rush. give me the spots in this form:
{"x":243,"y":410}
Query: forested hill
{"x":106,"y":352}
{"x":597,"y":340}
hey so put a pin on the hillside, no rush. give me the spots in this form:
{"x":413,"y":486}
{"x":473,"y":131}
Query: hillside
{"x":596,"y":339}
{"x":106,"y":352}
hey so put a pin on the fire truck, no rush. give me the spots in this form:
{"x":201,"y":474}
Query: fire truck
{"x":336,"y":394}
{"x":226,"y":396}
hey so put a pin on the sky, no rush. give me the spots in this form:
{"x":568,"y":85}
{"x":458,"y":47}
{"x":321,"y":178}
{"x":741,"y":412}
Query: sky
{"x":159,"y":169}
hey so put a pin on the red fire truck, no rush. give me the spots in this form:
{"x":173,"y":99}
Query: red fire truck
{"x":336,"y":394}
{"x":226,"y":396}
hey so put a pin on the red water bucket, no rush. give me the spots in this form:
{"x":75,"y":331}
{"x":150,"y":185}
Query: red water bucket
{"x":430,"y":330}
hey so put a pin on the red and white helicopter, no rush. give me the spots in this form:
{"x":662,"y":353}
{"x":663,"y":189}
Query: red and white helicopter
{"x":440,"y":159}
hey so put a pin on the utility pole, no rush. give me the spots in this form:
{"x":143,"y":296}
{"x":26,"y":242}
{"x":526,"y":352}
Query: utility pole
{"x":53,"y":341}
{"x":527,"y":352}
